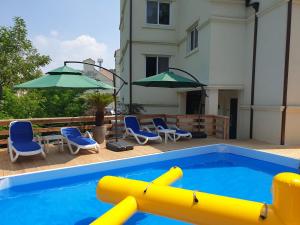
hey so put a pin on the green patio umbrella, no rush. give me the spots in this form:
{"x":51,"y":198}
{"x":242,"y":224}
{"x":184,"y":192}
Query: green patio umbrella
{"x":64,"y":77}
{"x":168,"y":79}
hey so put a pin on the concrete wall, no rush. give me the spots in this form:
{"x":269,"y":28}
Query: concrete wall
{"x":227,"y":59}
{"x":245,"y":94}
{"x":293,"y":98}
{"x":270,"y":74}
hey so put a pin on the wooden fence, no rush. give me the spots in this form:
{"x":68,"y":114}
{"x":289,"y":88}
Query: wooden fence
{"x":217,"y":126}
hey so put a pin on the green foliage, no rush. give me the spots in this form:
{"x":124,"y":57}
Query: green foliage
{"x":41,"y":103}
{"x":60,"y":103}
{"x":19,"y":60}
{"x":22,"y":105}
{"x":97,"y":100}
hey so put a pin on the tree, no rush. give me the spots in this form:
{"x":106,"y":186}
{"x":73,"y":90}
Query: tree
{"x":19,"y":60}
{"x":63,"y":102}
{"x":41,"y":103}
{"x":23,"y":105}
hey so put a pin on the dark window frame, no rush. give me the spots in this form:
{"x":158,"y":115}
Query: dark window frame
{"x":157,"y":66}
{"x":193,"y":38}
{"x":159,"y":20}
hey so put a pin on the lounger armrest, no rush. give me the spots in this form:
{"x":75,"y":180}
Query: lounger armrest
{"x":146,"y":128}
{"x":160,"y":127}
{"x":173,"y":127}
{"x":38,"y":139}
{"x":88,"y":134}
{"x":129,"y":130}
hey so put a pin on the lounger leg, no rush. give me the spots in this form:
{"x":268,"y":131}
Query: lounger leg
{"x":160,"y":139}
{"x":12,"y":157}
{"x":76,"y":151}
{"x":141,"y":142}
{"x":43,"y":154}
{"x":70,"y":148}
{"x":97,"y":148}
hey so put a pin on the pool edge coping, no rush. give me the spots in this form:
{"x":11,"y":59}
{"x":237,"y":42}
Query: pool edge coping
{"x":9,"y":181}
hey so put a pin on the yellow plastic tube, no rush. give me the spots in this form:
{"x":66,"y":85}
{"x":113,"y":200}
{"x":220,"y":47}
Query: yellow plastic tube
{"x":128,"y":206}
{"x":118,"y":214}
{"x":209,"y":209}
{"x":286,"y":197}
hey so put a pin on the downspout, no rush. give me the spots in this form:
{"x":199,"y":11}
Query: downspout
{"x":255,"y":6}
{"x":286,"y":70}
{"x":130,"y":57}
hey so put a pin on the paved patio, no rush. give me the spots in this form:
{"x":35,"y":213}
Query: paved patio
{"x":57,"y":159}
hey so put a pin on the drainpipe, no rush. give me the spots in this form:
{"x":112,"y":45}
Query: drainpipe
{"x":130,"y":57}
{"x":286,"y":70}
{"x":255,"y":6}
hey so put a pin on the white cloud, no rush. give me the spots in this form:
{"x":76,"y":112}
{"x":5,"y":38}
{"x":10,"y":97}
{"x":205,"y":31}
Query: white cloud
{"x":79,"y":48}
{"x":54,"y":33}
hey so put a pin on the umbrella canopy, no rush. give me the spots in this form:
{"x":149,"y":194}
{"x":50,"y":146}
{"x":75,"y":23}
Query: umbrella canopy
{"x":167,"y":79}
{"x":64,"y":77}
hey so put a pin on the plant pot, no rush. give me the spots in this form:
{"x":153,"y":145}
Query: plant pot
{"x":99,"y":133}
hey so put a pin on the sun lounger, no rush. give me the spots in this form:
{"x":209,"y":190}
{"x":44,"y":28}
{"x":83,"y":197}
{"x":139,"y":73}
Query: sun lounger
{"x":160,"y":124}
{"x":21,"y":141}
{"x":142,"y":135}
{"x":75,"y":138}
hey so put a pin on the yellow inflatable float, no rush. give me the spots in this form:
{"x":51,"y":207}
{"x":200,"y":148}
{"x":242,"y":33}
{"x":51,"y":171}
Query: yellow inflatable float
{"x":197,"y":207}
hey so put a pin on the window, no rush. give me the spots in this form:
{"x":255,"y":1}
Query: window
{"x":193,"y":39}
{"x":158,"y":12}
{"x":156,"y":65}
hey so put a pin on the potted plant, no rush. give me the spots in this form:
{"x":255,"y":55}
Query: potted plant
{"x":98,"y":101}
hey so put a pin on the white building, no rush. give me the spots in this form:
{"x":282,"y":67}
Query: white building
{"x":255,"y":84}
{"x":98,"y":74}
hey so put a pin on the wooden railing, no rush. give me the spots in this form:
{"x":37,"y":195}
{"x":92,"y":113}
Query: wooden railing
{"x":213,"y":125}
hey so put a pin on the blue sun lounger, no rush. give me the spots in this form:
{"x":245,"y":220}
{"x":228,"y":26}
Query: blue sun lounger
{"x":21,"y":141}
{"x":160,"y":124}
{"x":142,"y":135}
{"x":75,"y":138}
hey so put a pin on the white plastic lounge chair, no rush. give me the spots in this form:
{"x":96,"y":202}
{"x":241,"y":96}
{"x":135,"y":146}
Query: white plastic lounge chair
{"x":21,"y":141}
{"x":142,"y":135}
{"x":160,"y":124}
{"x":75,"y":138}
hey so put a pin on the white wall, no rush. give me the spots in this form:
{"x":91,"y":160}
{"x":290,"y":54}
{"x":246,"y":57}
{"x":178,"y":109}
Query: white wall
{"x":293,"y":98}
{"x":227,"y":55}
{"x":270,"y":74}
{"x":267,"y":125}
{"x":270,"y":57}
{"x":245,"y":94}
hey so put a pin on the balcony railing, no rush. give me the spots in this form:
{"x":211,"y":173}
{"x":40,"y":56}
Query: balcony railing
{"x":213,"y":125}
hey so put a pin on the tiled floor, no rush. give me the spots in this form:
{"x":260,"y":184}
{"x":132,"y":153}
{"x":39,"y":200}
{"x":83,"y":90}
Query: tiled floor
{"x":57,"y":159}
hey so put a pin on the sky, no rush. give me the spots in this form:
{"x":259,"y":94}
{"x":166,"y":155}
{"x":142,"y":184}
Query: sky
{"x":68,"y":29}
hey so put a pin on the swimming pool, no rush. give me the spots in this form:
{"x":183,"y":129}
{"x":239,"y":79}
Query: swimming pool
{"x":67,"y":196}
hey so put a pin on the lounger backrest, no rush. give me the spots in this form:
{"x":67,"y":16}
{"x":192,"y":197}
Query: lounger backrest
{"x":20,"y":131}
{"x":160,"y":122}
{"x":132,"y":122}
{"x":70,"y":132}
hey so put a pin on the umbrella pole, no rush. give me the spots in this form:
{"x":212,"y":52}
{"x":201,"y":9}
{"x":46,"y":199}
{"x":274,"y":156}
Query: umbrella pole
{"x":117,"y":145}
{"x":200,"y":109}
{"x":115,"y":106}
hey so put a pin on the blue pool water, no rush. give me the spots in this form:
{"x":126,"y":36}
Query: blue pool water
{"x":73,"y":200}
